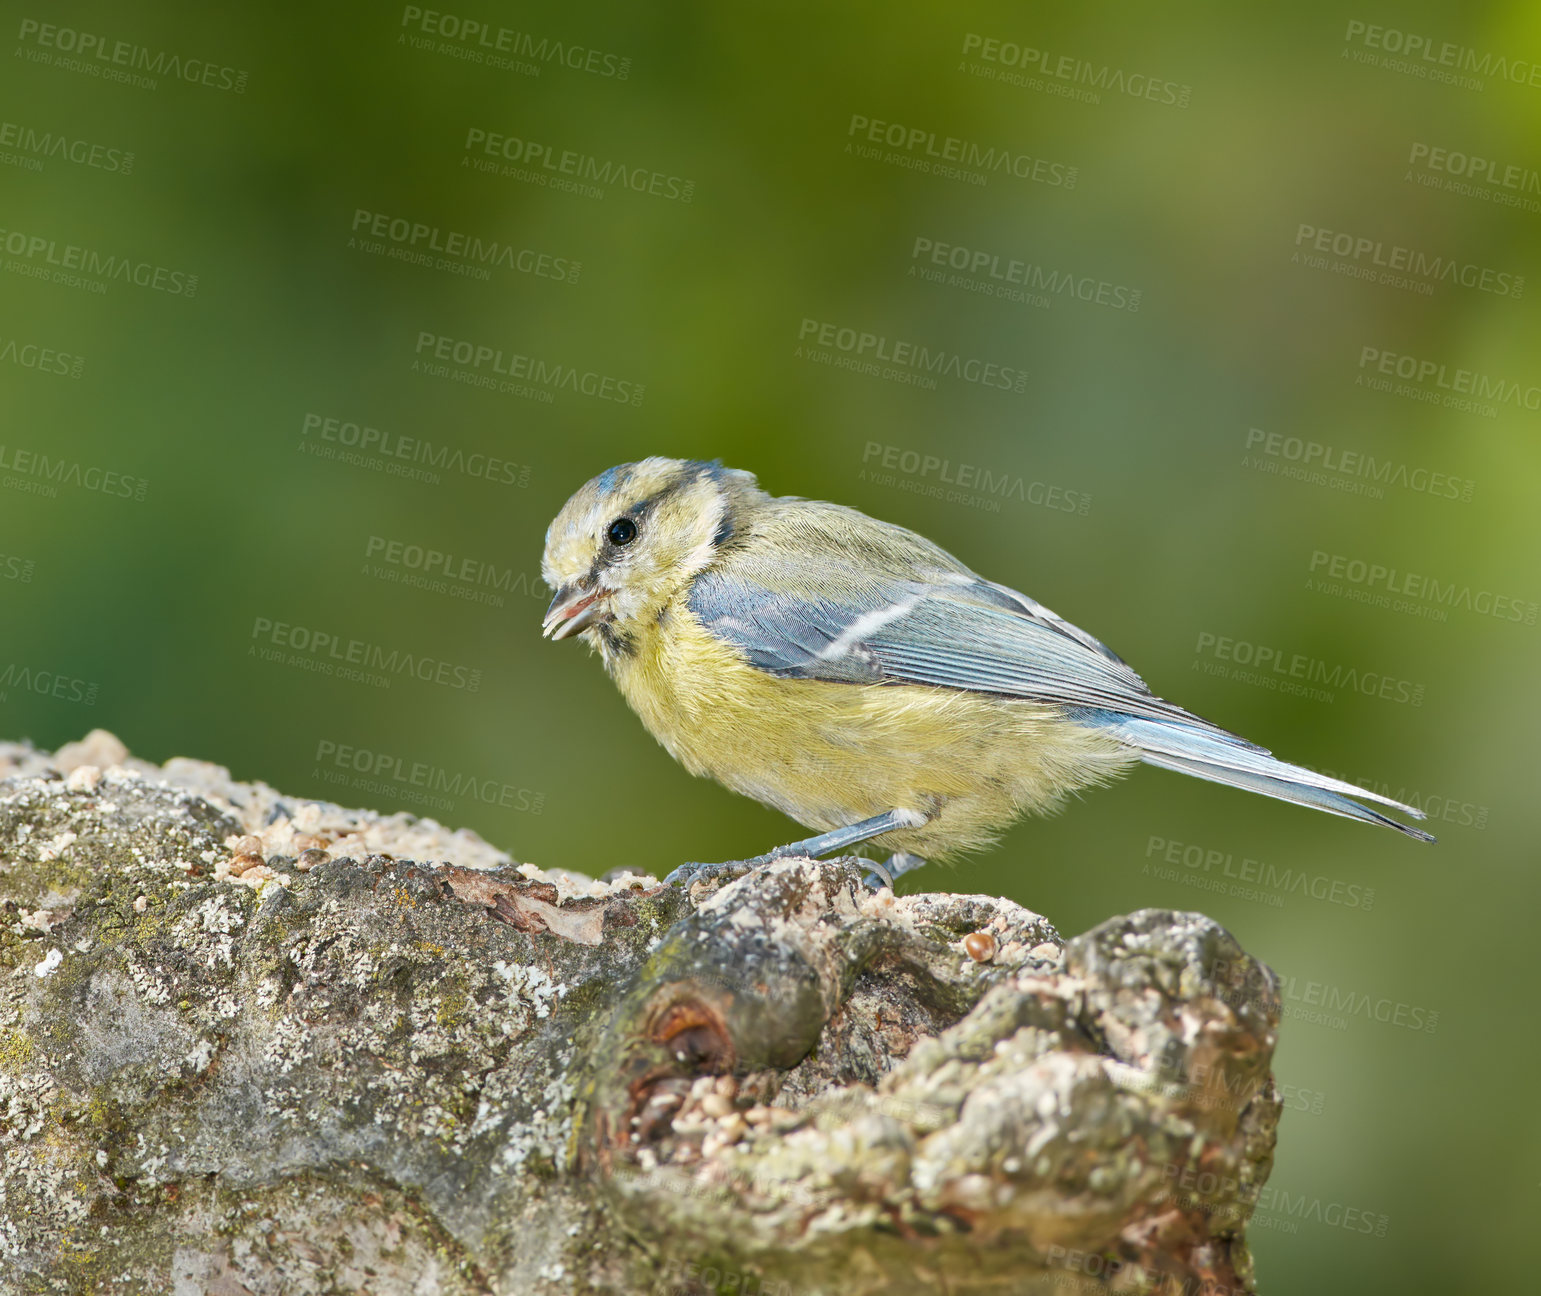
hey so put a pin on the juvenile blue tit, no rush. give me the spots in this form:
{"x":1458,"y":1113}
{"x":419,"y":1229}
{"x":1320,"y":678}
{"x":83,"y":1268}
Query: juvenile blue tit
{"x":858,"y":678}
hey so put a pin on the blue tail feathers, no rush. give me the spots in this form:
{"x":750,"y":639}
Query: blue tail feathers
{"x":1190,"y":745}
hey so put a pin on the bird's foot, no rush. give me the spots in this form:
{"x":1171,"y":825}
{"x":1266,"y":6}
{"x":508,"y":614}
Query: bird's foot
{"x":688,"y":874}
{"x":826,"y":843}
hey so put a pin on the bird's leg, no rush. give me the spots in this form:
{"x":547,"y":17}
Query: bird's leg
{"x":812,"y":847}
{"x":899,"y":863}
{"x":840,"y":838}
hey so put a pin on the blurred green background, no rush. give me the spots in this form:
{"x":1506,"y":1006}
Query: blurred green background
{"x":1213,"y":138}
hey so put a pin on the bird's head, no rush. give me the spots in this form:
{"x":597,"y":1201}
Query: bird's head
{"x":633,"y":538}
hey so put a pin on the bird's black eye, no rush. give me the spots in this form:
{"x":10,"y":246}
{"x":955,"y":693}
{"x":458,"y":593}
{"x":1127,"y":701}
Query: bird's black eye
{"x":622,"y":531}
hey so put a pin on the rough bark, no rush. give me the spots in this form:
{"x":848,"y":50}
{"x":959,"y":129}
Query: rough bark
{"x":253,"y":1044}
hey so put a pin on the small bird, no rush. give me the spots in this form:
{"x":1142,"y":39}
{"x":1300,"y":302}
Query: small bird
{"x":858,"y":678}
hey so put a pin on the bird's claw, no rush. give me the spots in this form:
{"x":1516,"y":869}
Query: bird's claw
{"x":878,"y":878}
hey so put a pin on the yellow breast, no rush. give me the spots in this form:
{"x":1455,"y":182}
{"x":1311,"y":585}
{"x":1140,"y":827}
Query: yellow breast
{"x":830,"y":754}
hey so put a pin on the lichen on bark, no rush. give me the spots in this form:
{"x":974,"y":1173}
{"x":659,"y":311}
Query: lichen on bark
{"x":254,"y":1043}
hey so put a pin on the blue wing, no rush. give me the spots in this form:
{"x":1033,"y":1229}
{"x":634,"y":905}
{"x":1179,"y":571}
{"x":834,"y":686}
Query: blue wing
{"x":951,"y":630}
{"x":840,"y":597}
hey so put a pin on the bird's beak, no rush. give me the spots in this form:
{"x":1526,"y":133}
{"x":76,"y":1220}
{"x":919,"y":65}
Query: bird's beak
{"x":574,"y":609}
